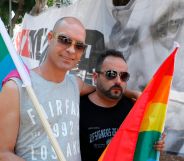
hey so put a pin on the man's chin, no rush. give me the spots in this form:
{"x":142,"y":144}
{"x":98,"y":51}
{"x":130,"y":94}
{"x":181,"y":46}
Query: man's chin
{"x":116,"y":97}
{"x":66,"y":66}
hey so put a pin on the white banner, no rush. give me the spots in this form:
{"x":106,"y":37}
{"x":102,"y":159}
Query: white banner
{"x":144,"y":30}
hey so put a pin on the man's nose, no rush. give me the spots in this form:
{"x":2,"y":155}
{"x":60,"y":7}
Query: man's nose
{"x":71,"y":49}
{"x":118,"y":81}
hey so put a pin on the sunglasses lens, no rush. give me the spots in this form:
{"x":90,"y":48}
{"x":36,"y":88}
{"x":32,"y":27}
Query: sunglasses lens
{"x":80,"y":46}
{"x":110,"y":74}
{"x":64,"y":40}
{"x":124,"y":76}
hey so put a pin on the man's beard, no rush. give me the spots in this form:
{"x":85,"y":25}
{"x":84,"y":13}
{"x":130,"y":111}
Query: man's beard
{"x":113,"y":94}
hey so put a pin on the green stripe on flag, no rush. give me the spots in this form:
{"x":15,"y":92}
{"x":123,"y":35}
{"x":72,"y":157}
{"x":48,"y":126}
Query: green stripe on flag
{"x":3,"y":49}
{"x":144,"y":148}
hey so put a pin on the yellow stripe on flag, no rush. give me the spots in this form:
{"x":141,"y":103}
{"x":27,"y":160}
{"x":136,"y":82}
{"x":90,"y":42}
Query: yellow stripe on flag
{"x":154,"y":117}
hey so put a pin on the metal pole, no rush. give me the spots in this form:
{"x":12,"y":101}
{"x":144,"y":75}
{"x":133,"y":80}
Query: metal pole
{"x":10,"y":18}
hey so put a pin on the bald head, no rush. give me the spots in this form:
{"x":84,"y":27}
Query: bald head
{"x":74,"y":31}
{"x":67,"y":20}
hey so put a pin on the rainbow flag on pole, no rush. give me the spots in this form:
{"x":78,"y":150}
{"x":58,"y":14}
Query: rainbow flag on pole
{"x":6,"y":62}
{"x":10,"y":60}
{"x":144,"y":124}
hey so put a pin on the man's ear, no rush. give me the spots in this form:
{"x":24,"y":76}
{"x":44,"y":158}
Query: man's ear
{"x":95,"y":76}
{"x":50,"y":36}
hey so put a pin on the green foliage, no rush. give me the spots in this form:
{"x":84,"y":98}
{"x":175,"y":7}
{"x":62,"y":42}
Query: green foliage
{"x":4,"y":13}
{"x":4,"y":10}
{"x":50,"y":3}
{"x":26,"y":7}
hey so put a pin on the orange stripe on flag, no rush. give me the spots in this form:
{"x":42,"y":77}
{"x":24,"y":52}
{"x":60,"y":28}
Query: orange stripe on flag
{"x":162,"y":92}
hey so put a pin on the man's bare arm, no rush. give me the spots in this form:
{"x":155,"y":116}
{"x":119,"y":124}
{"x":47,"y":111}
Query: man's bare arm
{"x":132,"y":94}
{"x":84,"y":87}
{"x":9,"y":121}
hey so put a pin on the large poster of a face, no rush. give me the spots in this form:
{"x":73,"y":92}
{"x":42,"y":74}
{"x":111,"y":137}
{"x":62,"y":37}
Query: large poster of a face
{"x":145,"y":32}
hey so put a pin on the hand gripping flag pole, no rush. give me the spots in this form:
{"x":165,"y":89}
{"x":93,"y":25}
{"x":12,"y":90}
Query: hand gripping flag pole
{"x":10,"y":53}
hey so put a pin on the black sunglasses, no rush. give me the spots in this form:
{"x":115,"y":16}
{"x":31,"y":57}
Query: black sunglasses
{"x":112,"y":74}
{"x":67,"y":41}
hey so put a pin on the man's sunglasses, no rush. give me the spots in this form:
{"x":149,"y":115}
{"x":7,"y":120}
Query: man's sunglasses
{"x":67,"y":41}
{"x":112,"y":74}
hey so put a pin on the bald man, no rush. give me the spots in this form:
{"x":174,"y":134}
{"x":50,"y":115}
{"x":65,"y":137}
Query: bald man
{"x":22,"y":136}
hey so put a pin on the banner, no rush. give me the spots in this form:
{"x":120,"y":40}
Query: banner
{"x":144,"y":30}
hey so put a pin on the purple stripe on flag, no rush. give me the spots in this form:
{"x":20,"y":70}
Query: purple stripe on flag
{"x":12,"y":74}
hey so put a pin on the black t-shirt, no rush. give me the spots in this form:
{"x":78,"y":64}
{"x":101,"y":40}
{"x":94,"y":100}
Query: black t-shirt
{"x":98,"y":125}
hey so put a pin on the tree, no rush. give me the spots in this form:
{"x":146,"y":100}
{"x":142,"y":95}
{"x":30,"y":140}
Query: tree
{"x":20,"y":7}
{"x":39,"y":7}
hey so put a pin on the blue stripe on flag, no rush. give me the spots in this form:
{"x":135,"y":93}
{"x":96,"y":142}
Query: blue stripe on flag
{"x":6,"y":66}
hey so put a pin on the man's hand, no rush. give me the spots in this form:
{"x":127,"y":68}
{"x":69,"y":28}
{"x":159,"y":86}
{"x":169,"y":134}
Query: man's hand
{"x":160,"y":145}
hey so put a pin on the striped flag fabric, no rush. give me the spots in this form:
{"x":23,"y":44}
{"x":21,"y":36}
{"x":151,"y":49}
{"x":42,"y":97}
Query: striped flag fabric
{"x":6,"y":62}
{"x":9,"y":60}
{"x":144,"y":124}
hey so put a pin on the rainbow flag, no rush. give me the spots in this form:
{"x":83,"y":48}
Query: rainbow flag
{"x":144,"y":124}
{"x":9,"y":60}
{"x":6,"y":62}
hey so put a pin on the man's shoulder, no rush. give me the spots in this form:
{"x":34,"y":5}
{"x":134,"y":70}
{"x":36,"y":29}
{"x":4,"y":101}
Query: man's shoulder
{"x":127,"y":100}
{"x":84,"y":97}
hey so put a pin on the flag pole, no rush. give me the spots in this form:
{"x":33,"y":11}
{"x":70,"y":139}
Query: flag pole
{"x":27,"y":84}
